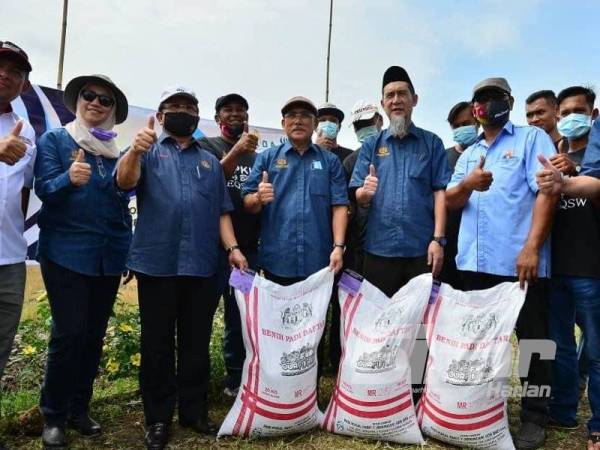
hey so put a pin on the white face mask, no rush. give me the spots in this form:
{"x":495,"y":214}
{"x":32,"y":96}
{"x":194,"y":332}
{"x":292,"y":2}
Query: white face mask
{"x":328,"y":129}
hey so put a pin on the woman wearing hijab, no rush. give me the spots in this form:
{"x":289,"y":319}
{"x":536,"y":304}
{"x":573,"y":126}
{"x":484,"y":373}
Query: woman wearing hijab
{"x":85,"y":230}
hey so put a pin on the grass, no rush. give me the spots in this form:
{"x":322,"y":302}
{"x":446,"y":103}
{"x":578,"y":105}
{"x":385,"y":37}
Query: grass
{"x":117,"y":405}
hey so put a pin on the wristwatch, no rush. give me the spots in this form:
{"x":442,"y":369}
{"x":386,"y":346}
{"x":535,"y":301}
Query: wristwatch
{"x":441,"y":240}
{"x":232,"y":248}
{"x":340,"y":245}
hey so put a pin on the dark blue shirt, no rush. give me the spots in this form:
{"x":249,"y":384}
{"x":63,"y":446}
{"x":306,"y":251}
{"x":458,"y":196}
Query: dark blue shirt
{"x":86,"y":229}
{"x":181,"y":196}
{"x":591,"y":160}
{"x":401,"y":216}
{"x":296,"y":237}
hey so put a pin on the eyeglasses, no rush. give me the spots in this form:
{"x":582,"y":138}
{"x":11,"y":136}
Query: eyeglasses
{"x":186,"y":107}
{"x":303,"y":115}
{"x":104,"y":100}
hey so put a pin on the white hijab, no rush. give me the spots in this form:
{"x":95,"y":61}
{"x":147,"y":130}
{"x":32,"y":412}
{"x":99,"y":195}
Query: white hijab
{"x":86,"y":140}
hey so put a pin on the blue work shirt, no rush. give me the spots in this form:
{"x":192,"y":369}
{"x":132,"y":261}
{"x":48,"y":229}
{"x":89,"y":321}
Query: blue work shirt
{"x":86,"y":229}
{"x":181,"y":196}
{"x":401,"y":217}
{"x":591,"y":160}
{"x":296,"y":237}
{"x":495,"y":223}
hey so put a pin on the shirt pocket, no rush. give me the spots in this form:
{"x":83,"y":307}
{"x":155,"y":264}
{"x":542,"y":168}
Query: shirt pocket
{"x":319,"y":183}
{"x":203,"y":182}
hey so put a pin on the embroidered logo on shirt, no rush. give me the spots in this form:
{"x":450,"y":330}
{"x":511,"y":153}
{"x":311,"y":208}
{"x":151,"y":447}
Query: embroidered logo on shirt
{"x":508,"y":154}
{"x":316,"y":165}
{"x":383,"y":151}
{"x":281,"y":164}
{"x":205,"y":164}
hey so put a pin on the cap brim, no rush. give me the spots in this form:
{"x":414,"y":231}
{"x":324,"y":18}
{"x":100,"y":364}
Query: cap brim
{"x":483,"y":88}
{"x":76,"y":84}
{"x":333,"y":111}
{"x":8,"y":53}
{"x":231,"y":98}
{"x":307,"y":105}
{"x":363,"y":116}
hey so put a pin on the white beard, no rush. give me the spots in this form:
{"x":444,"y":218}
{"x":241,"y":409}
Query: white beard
{"x":398,"y":126}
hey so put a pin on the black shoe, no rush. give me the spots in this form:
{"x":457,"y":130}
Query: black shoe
{"x":157,"y":436}
{"x":84,"y":425}
{"x":530,"y":436}
{"x":202,"y":426}
{"x":553,"y":423}
{"x":54,"y":438}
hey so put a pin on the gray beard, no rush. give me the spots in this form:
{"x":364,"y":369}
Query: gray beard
{"x":398,"y":126}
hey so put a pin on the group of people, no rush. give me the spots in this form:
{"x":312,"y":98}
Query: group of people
{"x":474,"y":215}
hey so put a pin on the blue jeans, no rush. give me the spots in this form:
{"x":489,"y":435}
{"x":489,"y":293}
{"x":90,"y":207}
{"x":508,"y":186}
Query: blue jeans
{"x":571,"y":298}
{"x":234,"y":352}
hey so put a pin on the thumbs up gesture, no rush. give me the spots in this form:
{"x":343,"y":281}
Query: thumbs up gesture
{"x":479,"y":179}
{"x":265,"y":190}
{"x":144,"y":138}
{"x":549,"y":179}
{"x":371,"y":181}
{"x":12,"y":148}
{"x":80,"y":171}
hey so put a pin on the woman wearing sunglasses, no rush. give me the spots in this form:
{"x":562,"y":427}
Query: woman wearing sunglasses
{"x":85,"y":230}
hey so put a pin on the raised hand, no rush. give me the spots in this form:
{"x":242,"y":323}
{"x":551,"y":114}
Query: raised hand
{"x":145,"y":138}
{"x":265,"y":190}
{"x":12,"y":148}
{"x":479,"y":179}
{"x":80,"y":171}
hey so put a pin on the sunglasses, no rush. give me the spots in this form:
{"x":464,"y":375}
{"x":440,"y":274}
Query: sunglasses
{"x":104,"y":100}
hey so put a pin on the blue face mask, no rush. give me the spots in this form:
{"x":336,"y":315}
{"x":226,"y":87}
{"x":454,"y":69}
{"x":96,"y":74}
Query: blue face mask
{"x":465,"y":136}
{"x":329,"y":129}
{"x":366,"y":132}
{"x":574,"y":125}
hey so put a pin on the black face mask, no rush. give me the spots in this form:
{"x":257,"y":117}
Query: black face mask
{"x":180,"y":124}
{"x":496,"y":113}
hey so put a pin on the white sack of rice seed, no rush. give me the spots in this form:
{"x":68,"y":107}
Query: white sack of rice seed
{"x":372,"y":397}
{"x":281,"y":327}
{"x":469,"y":366}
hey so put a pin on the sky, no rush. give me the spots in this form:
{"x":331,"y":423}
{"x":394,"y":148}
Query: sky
{"x":271,"y":50}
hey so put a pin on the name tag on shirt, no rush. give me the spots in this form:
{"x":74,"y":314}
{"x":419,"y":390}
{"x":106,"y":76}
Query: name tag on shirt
{"x":316,"y":165}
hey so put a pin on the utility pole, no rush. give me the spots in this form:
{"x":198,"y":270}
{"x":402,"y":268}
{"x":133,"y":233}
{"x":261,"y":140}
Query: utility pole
{"x":328,"y":51}
{"x":63,"y":35}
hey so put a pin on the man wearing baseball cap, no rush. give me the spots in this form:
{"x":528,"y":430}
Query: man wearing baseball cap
{"x":17,"y":157}
{"x":330,"y":118}
{"x":299,"y":189}
{"x":504,"y":228}
{"x":183,"y":217}
{"x":235,"y":147}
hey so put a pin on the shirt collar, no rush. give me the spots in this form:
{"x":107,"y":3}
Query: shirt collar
{"x":412,"y":131}
{"x":166,"y":137}
{"x":287,"y":146}
{"x":508,"y":128}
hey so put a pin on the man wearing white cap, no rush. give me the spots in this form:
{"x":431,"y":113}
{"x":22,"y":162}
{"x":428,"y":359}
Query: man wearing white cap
{"x":183,"y":215}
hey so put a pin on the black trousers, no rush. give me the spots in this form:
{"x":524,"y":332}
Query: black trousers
{"x":80,"y":306}
{"x":172,"y":308}
{"x":390,"y":274}
{"x":531,"y":324}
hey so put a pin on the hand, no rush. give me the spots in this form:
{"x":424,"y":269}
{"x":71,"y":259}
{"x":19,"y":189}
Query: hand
{"x":564,"y":164}
{"x":265,"y":190}
{"x":527,"y":265}
{"x":435,"y":258}
{"x":325,"y":141}
{"x":144,"y":138}
{"x":128,"y":276}
{"x":479,"y":179}
{"x":80,"y":171}
{"x":370,"y":184}
{"x":237,"y":259}
{"x":247,"y":143}
{"x":336,"y":259}
{"x":12,"y":148}
{"x":549,"y":180}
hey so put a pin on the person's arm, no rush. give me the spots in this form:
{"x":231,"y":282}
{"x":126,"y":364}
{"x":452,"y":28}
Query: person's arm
{"x":435,"y":252}
{"x":582,"y":186}
{"x":528,"y":259}
{"x":247,"y":143}
{"x":52,"y":180}
{"x":236,"y":257}
{"x":363,"y":183}
{"x":339,"y":223}
{"x":129,"y":167}
{"x":256,"y":192}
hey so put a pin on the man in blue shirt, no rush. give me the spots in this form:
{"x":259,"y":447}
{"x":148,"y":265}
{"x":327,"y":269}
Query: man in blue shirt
{"x":299,"y":189}
{"x":184,"y":208}
{"x":400,"y":175}
{"x":504,"y":228}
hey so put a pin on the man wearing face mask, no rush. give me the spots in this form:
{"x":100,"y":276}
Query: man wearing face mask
{"x":236,"y":149}
{"x":400,"y":175}
{"x":183,"y":216}
{"x":504,"y":228}
{"x":464,"y":131}
{"x":330,"y":119}
{"x":541,"y":110}
{"x":575,"y":285}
